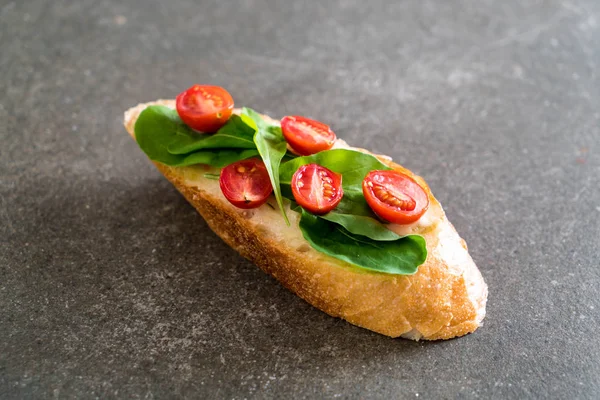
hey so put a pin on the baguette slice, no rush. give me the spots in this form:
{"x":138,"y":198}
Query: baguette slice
{"x":444,"y":299}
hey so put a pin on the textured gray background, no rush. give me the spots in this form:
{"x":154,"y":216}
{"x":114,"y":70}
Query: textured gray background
{"x":112,"y":286}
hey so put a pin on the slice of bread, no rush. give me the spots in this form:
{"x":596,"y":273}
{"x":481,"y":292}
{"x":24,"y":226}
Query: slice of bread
{"x":444,"y":299}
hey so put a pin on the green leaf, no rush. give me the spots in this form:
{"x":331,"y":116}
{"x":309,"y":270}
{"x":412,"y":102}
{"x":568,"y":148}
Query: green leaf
{"x":356,"y":224}
{"x":234,"y":134}
{"x":214,"y":177}
{"x":154,"y":129}
{"x":272,"y":148}
{"x":353,"y":165}
{"x":360,"y":225}
{"x":217,"y":158}
{"x":157,"y":126}
{"x":401,"y":256}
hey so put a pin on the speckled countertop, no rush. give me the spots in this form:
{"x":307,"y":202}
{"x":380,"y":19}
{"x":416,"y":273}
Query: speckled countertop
{"x":112,"y":286}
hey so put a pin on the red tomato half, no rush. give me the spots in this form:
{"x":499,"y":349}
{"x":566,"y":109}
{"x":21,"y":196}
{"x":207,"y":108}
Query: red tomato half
{"x":204,"y":108}
{"x":307,"y":136}
{"x":395,"y":197}
{"x":246,"y":183}
{"x":316,"y":188}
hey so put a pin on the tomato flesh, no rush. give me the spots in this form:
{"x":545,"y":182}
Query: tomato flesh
{"x":204,"y":108}
{"x":307,"y":136}
{"x":246,"y":183}
{"x":316,"y":188}
{"x":394,"y":196}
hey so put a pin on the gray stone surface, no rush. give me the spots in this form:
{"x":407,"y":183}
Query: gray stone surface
{"x":112,"y":286}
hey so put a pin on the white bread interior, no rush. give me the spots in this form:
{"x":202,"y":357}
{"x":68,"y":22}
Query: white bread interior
{"x":446,"y":298}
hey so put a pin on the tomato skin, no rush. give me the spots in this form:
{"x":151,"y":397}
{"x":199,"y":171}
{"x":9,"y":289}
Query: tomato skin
{"x":394,"y":196}
{"x":321,"y":199}
{"x":307,"y":136}
{"x":246,"y":183}
{"x":204,"y":108}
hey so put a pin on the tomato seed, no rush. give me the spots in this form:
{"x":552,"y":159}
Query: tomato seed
{"x":398,"y":199}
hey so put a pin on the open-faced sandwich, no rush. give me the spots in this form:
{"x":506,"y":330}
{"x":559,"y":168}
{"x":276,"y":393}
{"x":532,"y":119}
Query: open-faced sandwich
{"x":352,"y":233}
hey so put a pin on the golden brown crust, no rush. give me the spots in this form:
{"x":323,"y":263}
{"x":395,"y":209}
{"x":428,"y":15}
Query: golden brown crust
{"x":444,"y":299}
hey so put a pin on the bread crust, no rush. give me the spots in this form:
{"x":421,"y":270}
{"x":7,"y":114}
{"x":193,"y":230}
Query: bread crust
{"x":446,"y":298}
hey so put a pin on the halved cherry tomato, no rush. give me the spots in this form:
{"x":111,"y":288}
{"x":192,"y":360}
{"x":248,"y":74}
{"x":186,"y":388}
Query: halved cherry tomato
{"x":307,"y":136}
{"x":246,"y":183}
{"x":395,"y":197}
{"x":204,"y":108}
{"x":316,"y":188}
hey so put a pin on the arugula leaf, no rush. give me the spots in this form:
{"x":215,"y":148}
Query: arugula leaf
{"x":272,"y":147}
{"x":157,"y":127}
{"x":401,"y":256}
{"x":234,"y":134}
